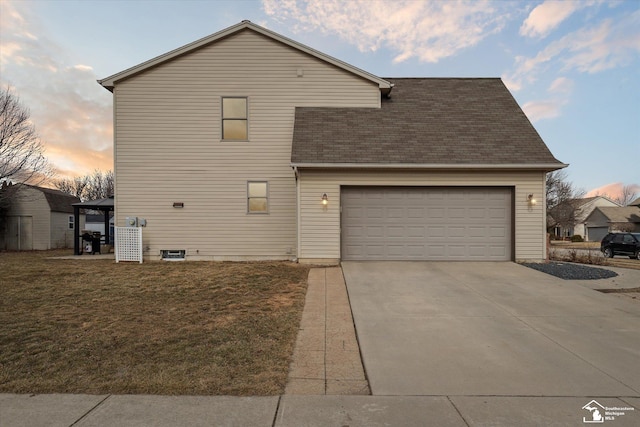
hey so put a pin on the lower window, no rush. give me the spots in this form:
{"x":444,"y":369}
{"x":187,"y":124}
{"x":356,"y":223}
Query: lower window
{"x":258,"y":197}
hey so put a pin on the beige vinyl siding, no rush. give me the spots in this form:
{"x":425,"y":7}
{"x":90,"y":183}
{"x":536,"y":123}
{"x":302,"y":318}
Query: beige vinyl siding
{"x":61,"y":234}
{"x":320,"y":226}
{"x":33,"y":203}
{"x":168,"y":145}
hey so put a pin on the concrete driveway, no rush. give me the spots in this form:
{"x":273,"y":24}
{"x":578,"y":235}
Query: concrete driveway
{"x":490,"y":329}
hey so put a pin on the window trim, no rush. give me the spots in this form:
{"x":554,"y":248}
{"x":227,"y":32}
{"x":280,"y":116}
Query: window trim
{"x":249,"y":211}
{"x":71,"y":222}
{"x":222,"y":118}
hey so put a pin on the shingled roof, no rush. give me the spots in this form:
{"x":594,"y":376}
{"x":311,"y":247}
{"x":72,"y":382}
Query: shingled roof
{"x":624,"y":214}
{"x":426,"y":122}
{"x":58,"y":201}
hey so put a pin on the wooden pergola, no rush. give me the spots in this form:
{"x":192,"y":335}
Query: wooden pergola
{"x":104,"y":205}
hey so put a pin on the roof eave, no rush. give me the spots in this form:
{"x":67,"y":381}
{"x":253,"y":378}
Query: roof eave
{"x":457,"y":166}
{"x":109,"y":82}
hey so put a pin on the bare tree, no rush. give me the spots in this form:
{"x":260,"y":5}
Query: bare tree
{"x":74,"y":186}
{"x":627,"y":195}
{"x":561,"y":198}
{"x":94,"y":186}
{"x":22,"y":157}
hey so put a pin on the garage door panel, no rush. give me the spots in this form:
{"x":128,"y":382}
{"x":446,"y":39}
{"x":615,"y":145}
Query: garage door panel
{"x":395,"y":213}
{"x":413,"y":212}
{"x":353,"y":231}
{"x":477,"y":213}
{"x":480,"y":232}
{"x":416,"y":232}
{"x":456,"y":232}
{"x":435,"y":213}
{"x":498,"y":214}
{"x":426,"y":223}
{"x":498,"y":232}
{"x":498,"y":251}
{"x":374,"y":213}
{"x":373,"y":232}
{"x":396,"y":231}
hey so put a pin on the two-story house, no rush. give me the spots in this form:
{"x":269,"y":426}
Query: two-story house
{"x":248,"y":145}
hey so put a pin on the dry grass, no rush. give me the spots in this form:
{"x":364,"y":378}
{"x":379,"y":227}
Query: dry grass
{"x":582,"y":257}
{"x":203,"y":328}
{"x":575,"y":245}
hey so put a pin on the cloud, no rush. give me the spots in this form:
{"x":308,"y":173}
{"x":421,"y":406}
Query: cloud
{"x":591,"y":49}
{"x":612,"y":191}
{"x":560,"y":89}
{"x":427,"y":30}
{"x":71,"y":112}
{"x":538,"y":110}
{"x":561,"y":85}
{"x":545,"y":17}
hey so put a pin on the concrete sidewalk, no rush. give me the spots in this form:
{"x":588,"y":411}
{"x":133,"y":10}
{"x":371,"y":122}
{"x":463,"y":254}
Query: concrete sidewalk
{"x":294,"y":411}
{"x":326,"y":358}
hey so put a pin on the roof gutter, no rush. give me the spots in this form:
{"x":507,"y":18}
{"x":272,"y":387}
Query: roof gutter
{"x":457,"y":166}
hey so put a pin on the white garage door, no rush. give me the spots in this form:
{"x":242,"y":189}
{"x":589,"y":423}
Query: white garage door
{"x":427,"y":223}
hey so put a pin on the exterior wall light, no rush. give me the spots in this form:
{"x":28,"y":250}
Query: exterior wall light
{"x":531,"y":200}
{"x":325,"y":199}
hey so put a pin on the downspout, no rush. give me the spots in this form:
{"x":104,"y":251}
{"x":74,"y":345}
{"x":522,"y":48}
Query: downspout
{"x":297,"y":176}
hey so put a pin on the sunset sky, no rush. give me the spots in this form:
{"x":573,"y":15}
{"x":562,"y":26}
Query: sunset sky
{"x":573,"y":66}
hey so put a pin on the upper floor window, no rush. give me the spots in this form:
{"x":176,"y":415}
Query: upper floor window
{"x":235,"y":126}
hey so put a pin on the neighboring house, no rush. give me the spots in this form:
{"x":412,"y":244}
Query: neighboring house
{"x":607,"y":219}
{"x":577,"y":211}
{"x":248,"y":145}
{"x":38,"y":219}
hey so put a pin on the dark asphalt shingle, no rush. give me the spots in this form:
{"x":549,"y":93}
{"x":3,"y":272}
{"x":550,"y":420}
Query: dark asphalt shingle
{"x":426,"y":121}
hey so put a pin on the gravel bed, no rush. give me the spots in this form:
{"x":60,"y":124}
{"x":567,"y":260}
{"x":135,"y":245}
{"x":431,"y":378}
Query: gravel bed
{"x":569,"y":271}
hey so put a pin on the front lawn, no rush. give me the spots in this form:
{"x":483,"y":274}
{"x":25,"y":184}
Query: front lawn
{"x":197,"y":328}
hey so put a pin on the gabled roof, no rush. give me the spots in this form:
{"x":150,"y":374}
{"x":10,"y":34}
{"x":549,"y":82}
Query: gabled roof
{"x":579,"y":203}
{"x":57,"y":200}
{"x":636,"y":202}
{"x":110,"y":81}
{"x":623,"y":214}
{"x":427,"y":123}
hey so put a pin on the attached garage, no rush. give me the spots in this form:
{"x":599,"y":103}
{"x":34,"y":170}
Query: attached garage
{"x":427,"y":223}
{"x":595,"y":234}
{"x":445,"y":169}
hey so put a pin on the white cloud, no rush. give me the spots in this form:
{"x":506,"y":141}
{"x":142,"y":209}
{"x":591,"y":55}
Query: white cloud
{"x":561,"y":85}
{"x":547,"y":109}
{"x":560,"y":89}
{"x":592,"y":49}
{"x":545,"y":17}
{"x":428,"y":30}
{"x":612,"y":190}
{"x":71,"y":112}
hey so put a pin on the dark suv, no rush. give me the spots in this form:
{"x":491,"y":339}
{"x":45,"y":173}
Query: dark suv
{"x":621,"y":244}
